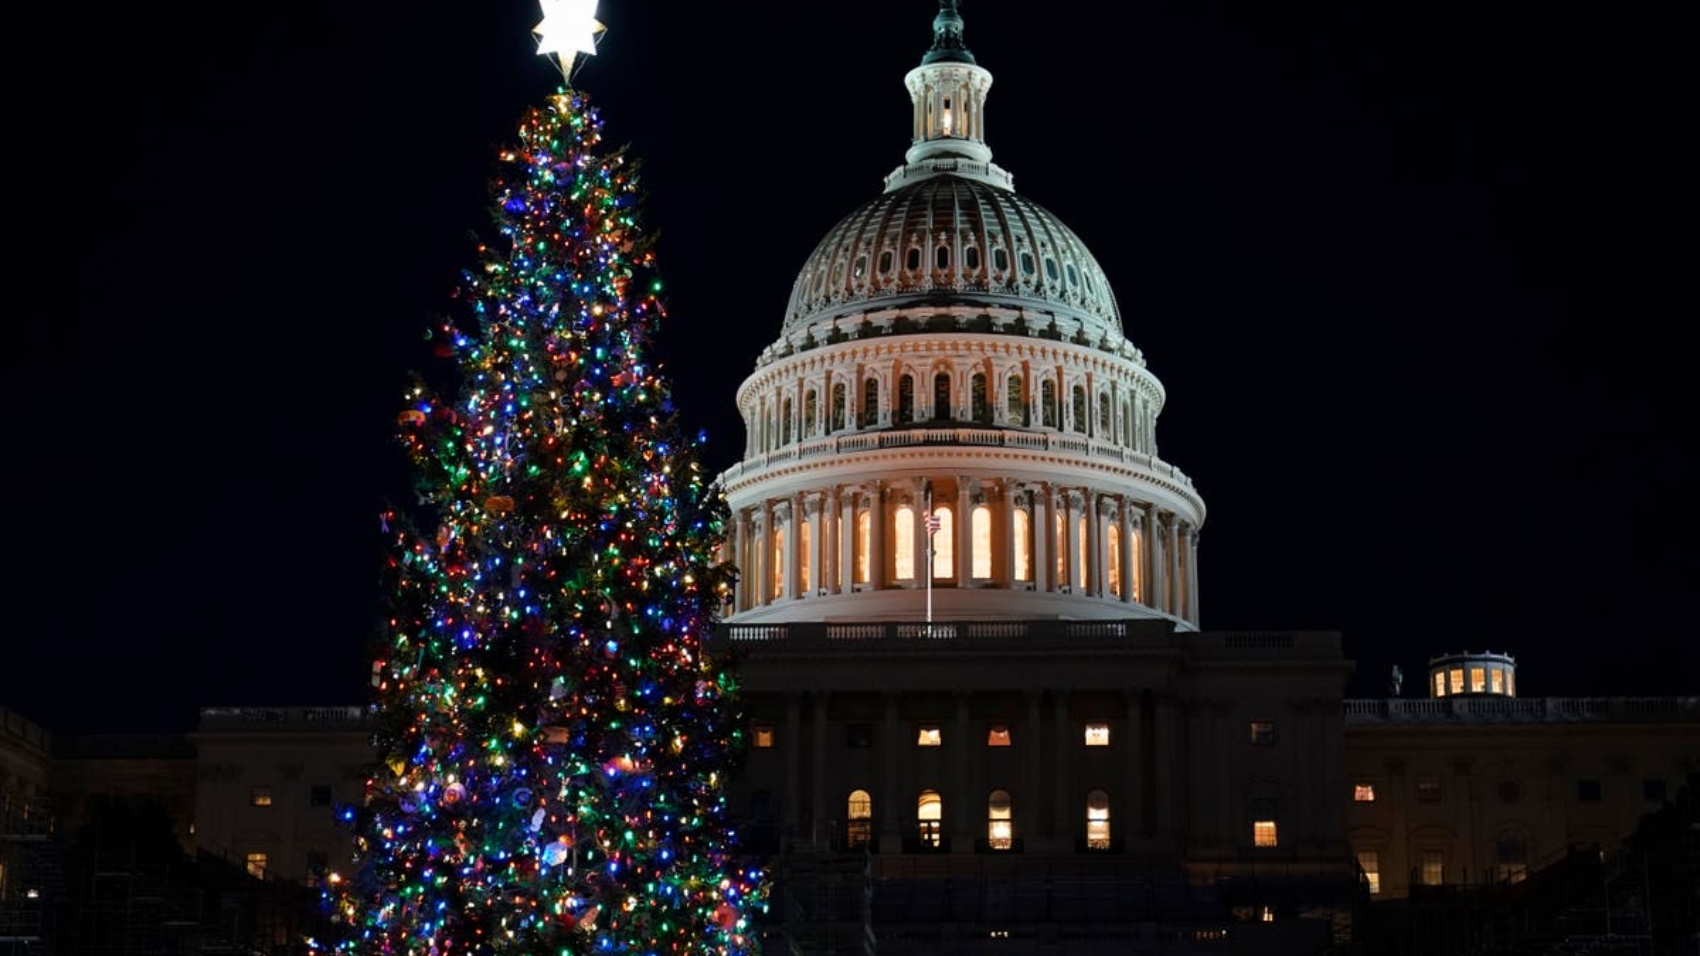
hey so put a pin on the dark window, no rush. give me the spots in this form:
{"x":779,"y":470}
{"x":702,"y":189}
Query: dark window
{"x":1000,"y":259}
{"x":971,"y":258}
{"x":1653,"y":790}
{"x":319,"y":795}
{"x":941,"y":396}
{"x":1509,"y":791}
{"x":870,"y":402}
{"x":941,"y":257}
{"x":1428,"y":791}
{"x":860,"y":736}
{"x":1026,"y":263}
{"x":318,"y":864}
{"x":1263,"y":733}
{"x":913,"y":262}
{"x":885,"y":263}
{"x":1588,"y":790}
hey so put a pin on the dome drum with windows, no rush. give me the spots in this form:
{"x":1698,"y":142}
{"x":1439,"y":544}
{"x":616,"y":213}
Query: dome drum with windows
{"x":953,"y":353}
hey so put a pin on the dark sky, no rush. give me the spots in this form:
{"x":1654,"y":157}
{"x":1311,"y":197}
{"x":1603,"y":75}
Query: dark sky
{"x":1414,"y":276}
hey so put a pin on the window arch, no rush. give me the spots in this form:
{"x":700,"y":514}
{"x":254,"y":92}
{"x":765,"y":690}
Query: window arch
{"x":941,"y":257}
{"x":870,"y":402}
{"x":1098,"y":820}
{"x":1078,"y":578}
{"x":906,"y":398}
{"x":903,"y":543}
{"x":1511,"y":856}
{"x":811,"y":413}
{"x":971,"y":258}
{"x":929,"y":815}
{"x":1048,"y":403}
{"x":803,"y":549}
{"x":785,"y":423}
{"x":912,"y":261}
{"x":1000,"y":821}
{"x":776,"y":568}
{"x":840,"y":398}
{"x":1015,"y":403}
{"x":1104,"y":430}
{"x":885,"y":262}
{"x":980,"y":533}
{"x":1000,"y":259}
{"x":1078,"y":407}
{"x":859,"y":819}
{"x":979,"y":409}
{"x":944,"y":544}
{"x":941,"y":395}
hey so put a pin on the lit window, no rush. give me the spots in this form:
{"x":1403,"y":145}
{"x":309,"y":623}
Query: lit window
{"x":944,"y":543}
{"x":1263,"y":733}
{"x":1263,"y":833}
{"x":1428,"y":791}
{"x":1439,"y":684}
{"x":997,"y":736}
{"x":260,"y":797}
{"x":929,"y":814}
{"x":1478,"y":680}
{"x":1363,"y":793}
{"x":1115,"y":554}
{"x":1455,"y":680}
{"x":860,"y":816}
{"x":256,"y":865}
{"x":864,"y":524}
{"x":1433,"y":870}
{"x":1023,"y":546}
{"x":980,"y":524}
{"x":804,"y":547}
{"x":762,"y":735}
{"x":1496,"y":681}
{"x":1370,"y":863}
{"x":903,"y":544}
{"x":1097,"y":735}
{"x":928,"y":737}
{"x":1266,"y":913}
{"x":1000,"y":822}
{"x":1511,"y":852}
{"x":1097,"y":820}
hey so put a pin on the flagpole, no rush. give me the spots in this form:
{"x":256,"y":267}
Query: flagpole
{"x":929,"y":559}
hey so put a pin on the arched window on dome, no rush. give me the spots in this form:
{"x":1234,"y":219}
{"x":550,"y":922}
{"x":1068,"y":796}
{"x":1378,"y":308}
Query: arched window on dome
{"x":1104,"y":429}
{"x":1048,"y":404}
{"x":941,"y":396}
{"x":785,"y":423}
{"x":1026,"y":263}
{"x":978,"y":406}
{"x":1098,"y":820}
{"x":906,"y":398}
{"x":1000,"y":260}
{"x":887,"y":260}
{"x":941,"y":258}
{"x":811,"y":414}
{"x":1015,"y":401}
{"x":1072,"y":274}
{"x":1051,"y":269}
{"x":870,"y":402}
{"x":864,"y":529}
{"x":1078,"y":408}
{"x":861,"y":269}
{"x":1023,"y":533}
{"x":839,"y":398}
{"x":903,"y":544}
{"x":912,"y":261}
{"x":1127,"y":423}
{"x":980,"y":533}
{"x":1113,"y":542}
{"x":776,"y":564}
{"x":1000,"y":821}
{"x":944,"y":544}
{"x":971,"y":258}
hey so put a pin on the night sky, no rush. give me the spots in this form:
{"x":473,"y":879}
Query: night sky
{"x":1409,"y":273}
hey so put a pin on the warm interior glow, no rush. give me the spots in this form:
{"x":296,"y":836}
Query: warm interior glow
{"x":864,"y":523}
{"x":1370,"y":862}
{"x":929,"y":812}
{"x":1023,"y":546}
{"x":1000,"y":824}
{"x":762,"y":736}
{"x":776,"y":577}
{"x":1098,"y":820}
{"x":1478,"y":680}
{"x":997,"y":736}
{"x":1433,"y":868}
{"x":859,"y":817}
{"x":804,"y":552}
{"x":1363,"y":792}
{"x":903,"y":543}
{"x":944,"y":544}
{"x":1097,"y":735}
{"x":1496,"y":681}
{"x":1455,"y":680}
{"x":1263,"y":833}
{"x":929,"y":737}
{"x":980,"y":526}
{"x":1114,"y":549}
{"x":256,"y":863}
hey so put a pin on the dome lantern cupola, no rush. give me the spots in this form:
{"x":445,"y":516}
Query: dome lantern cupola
{"x":948,"y":91}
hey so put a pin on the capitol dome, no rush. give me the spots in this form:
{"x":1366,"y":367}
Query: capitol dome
{"x":952,"y":428}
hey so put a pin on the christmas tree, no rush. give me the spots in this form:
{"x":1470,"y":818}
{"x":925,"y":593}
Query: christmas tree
{"x":554,"y":734}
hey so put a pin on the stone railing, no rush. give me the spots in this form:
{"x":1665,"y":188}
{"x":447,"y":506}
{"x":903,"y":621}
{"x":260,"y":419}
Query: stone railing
{"x":1073,"y":445}
{"x":250,"y":717}
{"x":1398,"y":710}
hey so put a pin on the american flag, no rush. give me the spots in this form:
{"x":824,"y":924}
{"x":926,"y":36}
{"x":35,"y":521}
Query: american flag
{"x":933,"y":523}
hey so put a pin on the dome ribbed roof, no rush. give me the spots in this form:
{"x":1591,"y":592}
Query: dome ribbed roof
{"x":949,"y":239}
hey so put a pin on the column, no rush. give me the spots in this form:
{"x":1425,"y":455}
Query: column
{"x":1130,"y":575}
{"x":1164,"y":751}
{"x":1171,"y":565}
{"x":969,"y":806}
{"x":964,"y":530}
{"x":1041,"y":534}
{"x":820,"y":820}
{"x":1095,"y":558}
{"x":741,"y":557}
{"x":1071,"y":543}
{"x":1031,"y":741}
{"x":1138,"y":762}
{"x":1005,"y":546}
{"x":846,"y":539}
{"x":887,"y":816}
{"x":793,"y":546}
{"x":764,"y":556}
{"x":1060,"y":815}
{"x":793,"y":758}
{"x":876,"y":535}
{"x":1153,"y":591}
{"x":1192,"y":577}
